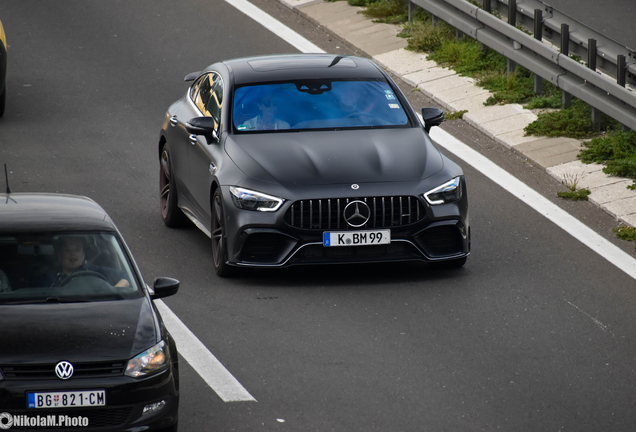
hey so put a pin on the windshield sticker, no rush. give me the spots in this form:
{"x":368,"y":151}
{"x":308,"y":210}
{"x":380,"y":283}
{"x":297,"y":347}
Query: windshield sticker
{"x":390,"y":97}
{"x":241,"y":127}
{"x":394,"y":106}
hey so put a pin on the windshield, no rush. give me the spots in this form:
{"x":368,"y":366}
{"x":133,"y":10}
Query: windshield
{"x":310,"y":105}
{"x":64,"y":267}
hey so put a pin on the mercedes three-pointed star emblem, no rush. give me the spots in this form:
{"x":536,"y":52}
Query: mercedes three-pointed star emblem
{"x":357,"y":213}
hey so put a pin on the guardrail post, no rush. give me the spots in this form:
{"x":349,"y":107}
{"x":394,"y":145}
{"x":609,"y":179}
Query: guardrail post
{"x":621,"y":75}
{"x":538,"y":35}
{"x":621,"y":67}
{"x":512,"y":20}
{"x":487,"y":8}
{"x":411,"y":10}
{"x":591,"y":63}
{"x":512,"y":12}
{"x":566,"y":98}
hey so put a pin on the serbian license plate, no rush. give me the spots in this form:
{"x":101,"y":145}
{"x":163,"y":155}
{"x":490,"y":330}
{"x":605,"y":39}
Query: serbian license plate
{"x":67,"y":399}
{"x":356,"y":238}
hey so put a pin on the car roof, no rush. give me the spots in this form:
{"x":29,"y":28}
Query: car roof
{"x":36,"y":212}
{"x":249,"y":70}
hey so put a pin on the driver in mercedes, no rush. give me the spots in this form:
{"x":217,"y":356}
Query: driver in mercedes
{"x":71,"y":256}
{"x":352,"y":103}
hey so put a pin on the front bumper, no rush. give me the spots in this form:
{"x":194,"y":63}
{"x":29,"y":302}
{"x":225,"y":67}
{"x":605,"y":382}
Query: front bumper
{"x":125,"y":400}
{"x":260,"y":239}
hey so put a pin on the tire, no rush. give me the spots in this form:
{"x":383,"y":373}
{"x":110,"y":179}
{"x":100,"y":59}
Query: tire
{"x":219,"y":243}
{"x":172,"y":215}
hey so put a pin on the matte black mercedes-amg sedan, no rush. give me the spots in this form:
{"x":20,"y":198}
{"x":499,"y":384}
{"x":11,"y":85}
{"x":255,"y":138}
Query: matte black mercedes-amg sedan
{"x":309,"y":159}
{"x":82,"y":344}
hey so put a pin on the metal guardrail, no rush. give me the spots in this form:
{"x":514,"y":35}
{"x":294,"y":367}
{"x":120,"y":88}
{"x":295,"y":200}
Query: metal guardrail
{"x":597,"y":90}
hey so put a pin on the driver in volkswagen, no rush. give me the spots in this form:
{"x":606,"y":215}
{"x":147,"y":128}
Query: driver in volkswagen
{"x":71,"y":256}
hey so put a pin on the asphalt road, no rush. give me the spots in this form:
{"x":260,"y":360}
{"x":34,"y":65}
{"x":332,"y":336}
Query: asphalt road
{"x":535,"y":333}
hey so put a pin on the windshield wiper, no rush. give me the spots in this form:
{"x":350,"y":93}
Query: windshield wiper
{"x":42,"y":300}
{"x":32,"y":301}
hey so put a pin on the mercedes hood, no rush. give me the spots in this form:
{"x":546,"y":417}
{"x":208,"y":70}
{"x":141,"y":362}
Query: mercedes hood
{"x":335,"y":157}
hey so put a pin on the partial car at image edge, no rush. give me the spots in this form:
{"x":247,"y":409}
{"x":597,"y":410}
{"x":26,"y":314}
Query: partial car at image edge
{"x":82,"y":338}
{"x":3,"y":69}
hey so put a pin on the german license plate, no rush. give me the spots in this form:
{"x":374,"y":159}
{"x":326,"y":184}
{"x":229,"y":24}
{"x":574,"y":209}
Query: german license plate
{"x":356,"y":238}
{"x":67,"y":399}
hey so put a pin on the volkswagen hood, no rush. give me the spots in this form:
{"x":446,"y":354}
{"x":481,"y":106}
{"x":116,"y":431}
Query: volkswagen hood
{"x":76,"y":332}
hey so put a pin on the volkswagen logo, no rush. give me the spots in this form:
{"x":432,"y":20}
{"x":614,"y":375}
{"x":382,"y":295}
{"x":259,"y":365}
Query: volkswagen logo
{"x":64,"y":370}
{"x":357,"y":213}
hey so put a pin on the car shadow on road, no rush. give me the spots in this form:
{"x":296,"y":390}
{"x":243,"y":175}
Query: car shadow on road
{"x":350,"y":275}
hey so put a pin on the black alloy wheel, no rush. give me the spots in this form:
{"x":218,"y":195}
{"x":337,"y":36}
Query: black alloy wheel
{"x":219,"y":244}
{"x":172,"y":216}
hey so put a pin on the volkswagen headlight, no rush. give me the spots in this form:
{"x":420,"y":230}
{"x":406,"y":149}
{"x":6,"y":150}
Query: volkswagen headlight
{"x":251,"y":200}
{"x":450,"y":191}
{"x":152,"y":360}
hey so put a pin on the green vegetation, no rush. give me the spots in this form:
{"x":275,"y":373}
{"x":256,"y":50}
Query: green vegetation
{"x":455,"y":115}
{"x":390,"y":12}
{"x":384,"y":11}
{"x":425,"y":37}
{"x":626,"y":233}
{"x":574,"y":122}
{"x":616,"y":150}
{"x":573,"y":193}
{"x":577,"y":195}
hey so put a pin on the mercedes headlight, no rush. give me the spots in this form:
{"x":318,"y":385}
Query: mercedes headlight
{"x":152,"y":360}
{"x":450,"y":191}
{"x":251,"y":200}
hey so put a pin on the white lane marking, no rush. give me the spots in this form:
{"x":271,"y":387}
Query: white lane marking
{"x":551,"y":211}
{"x":275,"y":26}
{"x":202,"y":360}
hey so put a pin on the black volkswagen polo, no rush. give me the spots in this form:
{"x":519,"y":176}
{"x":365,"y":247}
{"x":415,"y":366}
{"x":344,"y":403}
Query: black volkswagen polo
{"x":82,"y":344}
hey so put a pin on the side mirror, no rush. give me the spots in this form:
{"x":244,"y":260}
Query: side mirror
{"x":164,"y":287}
{"x":205,"y":126}
{"x":432,"y":117}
